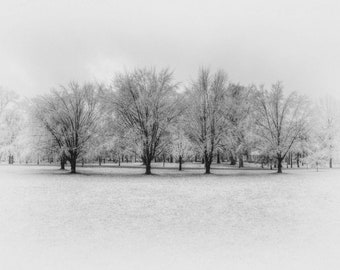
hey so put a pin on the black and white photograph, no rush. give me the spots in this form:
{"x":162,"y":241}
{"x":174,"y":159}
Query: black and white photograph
{"x":169,"y":135}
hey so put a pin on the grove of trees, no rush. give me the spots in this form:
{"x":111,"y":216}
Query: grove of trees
{"x":146,"y":116}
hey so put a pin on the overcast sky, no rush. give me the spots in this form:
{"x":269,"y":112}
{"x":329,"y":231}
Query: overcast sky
{"x":47,"y":43}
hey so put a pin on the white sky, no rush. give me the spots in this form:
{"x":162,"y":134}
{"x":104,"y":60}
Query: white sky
{"x":47,"y":43}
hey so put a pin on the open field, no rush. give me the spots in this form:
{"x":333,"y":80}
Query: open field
{"x":118,"y":218}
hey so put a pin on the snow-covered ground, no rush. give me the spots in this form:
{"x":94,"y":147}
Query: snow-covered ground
{"x":117,"y":218}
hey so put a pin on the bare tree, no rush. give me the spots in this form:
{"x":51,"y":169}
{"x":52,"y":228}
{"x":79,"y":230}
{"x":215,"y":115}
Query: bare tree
{"x":71,"y":116}
{"x":147,"y":103}
{"x":10,"y":128}
{"x":237,"y":113}
{"x":206,"y":120}
{"x":327,"y":122}
{"x":180,"y":147}
{"x":9,"y":124}
{"x":280,"y":121}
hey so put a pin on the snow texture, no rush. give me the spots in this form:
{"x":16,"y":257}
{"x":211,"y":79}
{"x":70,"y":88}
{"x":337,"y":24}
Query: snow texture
{"x":118,"y":218}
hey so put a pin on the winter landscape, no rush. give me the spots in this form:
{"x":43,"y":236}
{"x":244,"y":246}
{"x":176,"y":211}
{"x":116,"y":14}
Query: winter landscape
{"x":117,"y":218}
{"x":169,"y":135}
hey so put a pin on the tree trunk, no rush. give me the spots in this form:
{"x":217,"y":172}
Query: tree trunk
{"x":218,"y":157}
{"x":207,"y":163}
{"x":291,"y":160}
{"x":73,"y":162}
{"x":298,"y":160}
{"x":279,"y":165}
{"x":148,"y":168}
{"x":232,"y":160}
{"x":180,"y":163}
{"x":100,"y":161}
{"x":331,"y":163}
{"x":207,"y":168}
{"x":62,"y":162}
{"x":240,"y":161}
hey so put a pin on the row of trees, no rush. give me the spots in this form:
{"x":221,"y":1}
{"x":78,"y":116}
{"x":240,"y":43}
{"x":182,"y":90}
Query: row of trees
{"x":146,"y":114}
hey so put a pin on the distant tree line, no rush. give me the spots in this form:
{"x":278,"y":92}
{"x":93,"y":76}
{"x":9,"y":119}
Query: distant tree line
{"x":146,"y":116}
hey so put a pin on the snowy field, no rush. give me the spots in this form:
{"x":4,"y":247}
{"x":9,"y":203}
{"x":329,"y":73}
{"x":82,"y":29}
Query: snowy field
{"x":117,"y":218}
